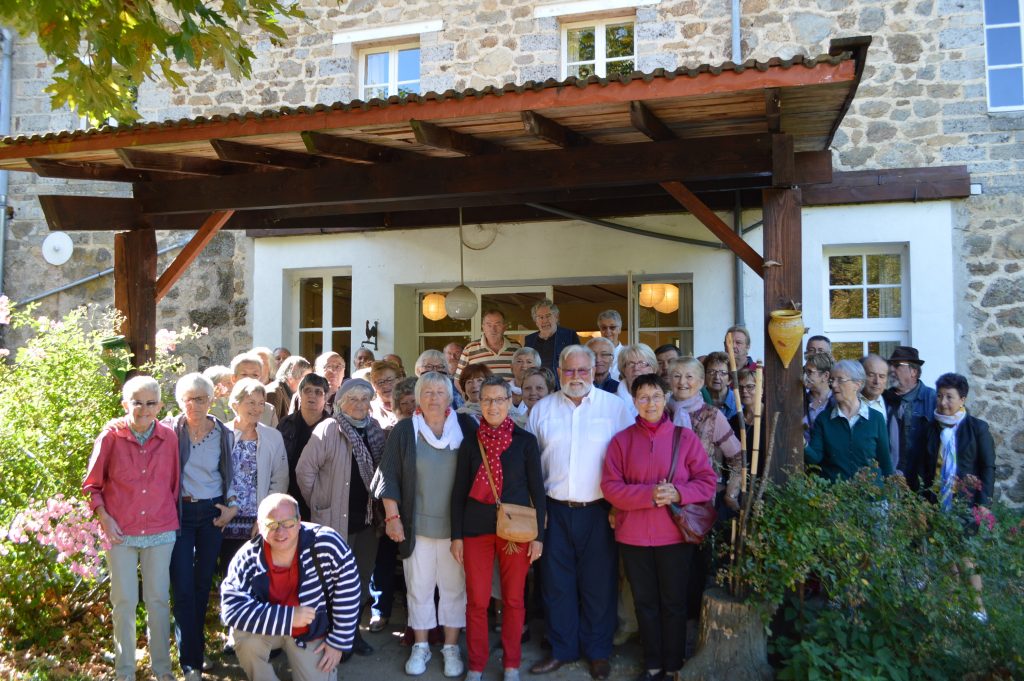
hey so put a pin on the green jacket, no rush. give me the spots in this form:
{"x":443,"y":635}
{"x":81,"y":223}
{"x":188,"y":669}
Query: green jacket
{"x":841,"y":451}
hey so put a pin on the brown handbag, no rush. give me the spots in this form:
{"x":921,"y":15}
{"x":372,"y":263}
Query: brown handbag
{"x":693,"y":520}
{"x":516,"y":524}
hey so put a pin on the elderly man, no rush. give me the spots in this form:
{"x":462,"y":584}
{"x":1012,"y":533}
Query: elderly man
{"x":493,"y":350}
{"x":294,"y":587}
{"x":817,"y":345}
{"x":452,"y":353}
{"x":910,"y":403}
{"x":285,"y":383}
{"x":609,"y":323}
{"x":363,"y":359}
{"x":281,"y":354}
{"x":550,"y":338}
{"x":250,"y":365}
{"x":580,"y":568}
{"x":331,"y":366}
{"x":740,"y":347}
{"x":876,"y":380}
{"x":604,"y":360}
{"x":665,"y":354}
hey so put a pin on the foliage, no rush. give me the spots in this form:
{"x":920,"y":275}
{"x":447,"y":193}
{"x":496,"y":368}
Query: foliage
{"x":105,"y":48}
{"x":874,"y":584}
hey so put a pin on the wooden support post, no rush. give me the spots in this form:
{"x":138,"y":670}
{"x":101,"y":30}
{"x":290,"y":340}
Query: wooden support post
{"x":192,"y":249}
{"x":783,"y":283}
{"x":135,"y":290}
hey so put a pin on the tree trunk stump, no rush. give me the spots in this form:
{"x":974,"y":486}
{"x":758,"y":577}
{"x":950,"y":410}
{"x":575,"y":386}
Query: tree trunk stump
{"x":733,"y":644}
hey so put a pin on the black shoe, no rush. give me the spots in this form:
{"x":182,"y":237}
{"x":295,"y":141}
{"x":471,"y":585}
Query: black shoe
{"x":361,"y":647}
{"x":647,"y":676}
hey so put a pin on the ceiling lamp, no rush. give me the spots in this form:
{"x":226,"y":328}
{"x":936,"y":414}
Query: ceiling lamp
{"x":670,"y":303}
{"x":651,"y":294}
{"x":433,"y":307}
{"x":461,"y":302}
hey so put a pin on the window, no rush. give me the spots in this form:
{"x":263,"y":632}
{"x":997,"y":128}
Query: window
{"x":602,"y":48}
{"x":866,"y":299}
{"x":325,"y":321}
{"x":1004,"y":54}
{"x":664,"y":314}
{"x":389,"y":71}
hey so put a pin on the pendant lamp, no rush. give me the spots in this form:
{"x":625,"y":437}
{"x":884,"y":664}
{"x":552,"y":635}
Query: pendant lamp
{"x":461,"y":302}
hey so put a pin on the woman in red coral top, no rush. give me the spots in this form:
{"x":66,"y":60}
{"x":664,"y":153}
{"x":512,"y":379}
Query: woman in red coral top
{"x":635,"y":481}
{"x":132,"y":481}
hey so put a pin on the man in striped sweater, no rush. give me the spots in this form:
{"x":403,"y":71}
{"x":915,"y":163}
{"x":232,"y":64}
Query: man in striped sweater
{"x":294,"y":586}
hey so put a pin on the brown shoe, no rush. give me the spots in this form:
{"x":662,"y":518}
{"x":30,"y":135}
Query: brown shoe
{"x":547,"y":665}
{"x":600,"y":669}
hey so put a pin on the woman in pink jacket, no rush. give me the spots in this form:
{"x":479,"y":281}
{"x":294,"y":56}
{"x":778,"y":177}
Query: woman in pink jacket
{"x":635,"y":482}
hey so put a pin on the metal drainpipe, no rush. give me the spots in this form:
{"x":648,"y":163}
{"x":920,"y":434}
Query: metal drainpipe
{"x":7,"y":37}
{"x":737,"y":55}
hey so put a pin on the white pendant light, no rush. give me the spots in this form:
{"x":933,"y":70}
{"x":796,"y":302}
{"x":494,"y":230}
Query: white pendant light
{"x":670,"y":303}
{"x":461,"y":302}
{"x":651,"y":294}
{"x":433,"y":307}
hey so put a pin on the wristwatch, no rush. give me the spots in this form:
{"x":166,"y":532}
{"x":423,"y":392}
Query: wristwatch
{"x":233,"y":502}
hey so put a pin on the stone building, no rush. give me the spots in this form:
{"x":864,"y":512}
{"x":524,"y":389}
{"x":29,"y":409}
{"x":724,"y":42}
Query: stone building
{"x":943,"y":87}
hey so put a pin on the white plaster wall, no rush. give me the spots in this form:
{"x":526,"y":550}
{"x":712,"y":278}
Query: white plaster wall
{"x":534,"y":253}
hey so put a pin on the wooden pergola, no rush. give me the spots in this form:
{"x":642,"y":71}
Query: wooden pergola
{"x":693,"y":139}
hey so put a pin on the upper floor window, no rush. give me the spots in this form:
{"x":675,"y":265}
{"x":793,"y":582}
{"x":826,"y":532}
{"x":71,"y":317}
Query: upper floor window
{"x":603,"y":48}
{"x":389,"y":71}
{"x":1004,"y":54}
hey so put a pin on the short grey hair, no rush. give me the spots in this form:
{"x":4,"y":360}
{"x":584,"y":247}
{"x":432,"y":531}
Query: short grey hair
{"x":610,"y":314}
{"x":194,"y":382}
{"x":597,"y":340}
{"x":324,"y":357}
{"x":292,"y":367}
{"x":543,"y":303}
{"x":351,"y":392}
{"x":250,"y":357}
{"x":272,"y":501}
{"x":635,"y":352}
{"x":218,"y":373}
{"x":872,"y":356}
{"x":527,"y":351}
{"x":689,"y":362}
{"x":140,"y":384}
{"x":244,"y":388}
{"x":429,"y":355}
{"x":493,"y":380}
{"x":433,"y":378}
{"x":570,"y":350}
{"x":853,"y":369}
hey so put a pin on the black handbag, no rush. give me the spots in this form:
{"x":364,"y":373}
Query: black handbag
{"x":693,"y":520}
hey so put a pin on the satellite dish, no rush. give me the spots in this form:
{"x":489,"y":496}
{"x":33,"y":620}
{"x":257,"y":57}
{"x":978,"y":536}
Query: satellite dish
{"x":57,"y":248}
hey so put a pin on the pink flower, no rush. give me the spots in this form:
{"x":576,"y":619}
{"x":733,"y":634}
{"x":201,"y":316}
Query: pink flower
{"x":5,"y":310}
{"x":166,"y":340}
{"x":984,"y":516}
{"x":4,"y":352}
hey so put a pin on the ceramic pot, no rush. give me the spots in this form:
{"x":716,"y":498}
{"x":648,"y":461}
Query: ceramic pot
{"x":786,"y":329}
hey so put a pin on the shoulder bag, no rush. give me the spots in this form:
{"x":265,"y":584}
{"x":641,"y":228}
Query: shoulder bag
{"x":516,"y":523}
{"x":693,"y":520}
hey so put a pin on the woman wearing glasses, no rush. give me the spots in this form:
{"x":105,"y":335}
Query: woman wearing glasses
{"x":383,"y":376}
{"x":133,"y":483}
{"x":817,"y":389}
{"x":634,"y":360}
{"x":513,"y":458}
{"x":850,"y":435}
{"x":207,"y":504}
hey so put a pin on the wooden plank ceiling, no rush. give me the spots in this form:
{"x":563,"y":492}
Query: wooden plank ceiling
{"x":599,"y":147}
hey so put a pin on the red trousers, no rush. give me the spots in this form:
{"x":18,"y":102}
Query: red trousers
{"x":478,"y":559}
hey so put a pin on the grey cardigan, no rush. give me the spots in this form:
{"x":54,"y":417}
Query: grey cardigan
{"x":396,"y":476}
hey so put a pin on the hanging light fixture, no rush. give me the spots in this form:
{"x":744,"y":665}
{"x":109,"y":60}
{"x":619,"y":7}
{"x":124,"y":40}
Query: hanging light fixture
{"x":651,"y":294}
{"x":461,"y":302}
{"x":670,"y":303}
{"x":433,"y":307}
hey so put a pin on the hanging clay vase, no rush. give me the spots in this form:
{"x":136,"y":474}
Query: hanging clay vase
{"x":786,"y":329}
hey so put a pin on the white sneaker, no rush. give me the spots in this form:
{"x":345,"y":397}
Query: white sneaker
{"x":474,"y":676}
{"x":418,"y":658}
{"x":452,"y":661}
{"x":511,"y":674}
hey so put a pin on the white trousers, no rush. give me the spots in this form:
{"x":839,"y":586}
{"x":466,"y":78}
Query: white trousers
{"x":431,"y":565}
{"x":123,"y":563}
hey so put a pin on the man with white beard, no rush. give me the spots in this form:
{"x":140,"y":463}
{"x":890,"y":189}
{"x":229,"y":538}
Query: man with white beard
{"x":580,"y":567}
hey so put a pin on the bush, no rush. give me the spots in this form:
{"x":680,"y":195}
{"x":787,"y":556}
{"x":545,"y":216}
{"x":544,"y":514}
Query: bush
{"x":874,"y":584}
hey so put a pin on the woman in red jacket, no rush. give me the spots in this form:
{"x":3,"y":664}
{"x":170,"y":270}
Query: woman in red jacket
{"x":635,"y":482}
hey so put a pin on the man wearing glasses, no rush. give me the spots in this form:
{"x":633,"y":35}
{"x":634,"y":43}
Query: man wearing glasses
{"x":580,"y":569}
{"x":295,"y":586}
{"x":910,"y":403}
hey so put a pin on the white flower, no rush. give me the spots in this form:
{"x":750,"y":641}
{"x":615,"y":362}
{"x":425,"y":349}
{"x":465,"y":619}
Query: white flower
{"x":5,"y":310}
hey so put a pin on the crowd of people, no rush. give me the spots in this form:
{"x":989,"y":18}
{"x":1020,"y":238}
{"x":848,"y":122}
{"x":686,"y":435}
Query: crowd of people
{"x":304,"y":490}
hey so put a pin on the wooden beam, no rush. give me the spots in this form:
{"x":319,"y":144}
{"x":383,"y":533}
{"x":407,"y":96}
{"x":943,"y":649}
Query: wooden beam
{"x":237,"y":152}
{"x":354,"y":150}
{"x":644,"y":120}
{"x":141,"y":159}
{"x":897,"y":184}
{"x":549,"y":130}
{"x":812,"y":167}
{"x":437,"y":136}
{"x":782,"y":290}
{"x":191,"y":251}
{"x":589,"y":167}
{"x":726,"y":235}
{"x":70,"y":213}
{"x":72,"y":170}
{"x":773,"y":109}
{"x":783,"y":161}
{"x":135,"y":291}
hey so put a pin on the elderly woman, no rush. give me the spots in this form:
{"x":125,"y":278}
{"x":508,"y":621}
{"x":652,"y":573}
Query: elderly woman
{"x":850,"y":435}
{"x":334,"y":475}
{"x":222,"y":379}
{"x":716,"y":383}
{"x":514,"y":460}
{"x":207,"y":504}
{"x":818,"y":393}
{"x":538,"y":383}
{"x":640,"y":480}
{"x":133,"y":484}
{"x":297,"y":427}
{"x":415,"y":481}
{"x":435,"y":360}
{"x":634,"y":360}
{"x":383,"y":376}
{"x":470,"y":380}
{"x":259,"y":464}
{"x":269,"y":367}
{"x":522,"y":359}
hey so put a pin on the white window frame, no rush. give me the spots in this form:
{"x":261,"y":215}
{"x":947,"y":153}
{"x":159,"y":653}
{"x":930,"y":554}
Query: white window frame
{"x":327,"y":327}
{"x":866,"y":330}
{"x":476,"y":323}
{"x":392,"y":52}
{"x":1019,"y":25}
{"x":634,"y":307}
{"x":600,"y":43}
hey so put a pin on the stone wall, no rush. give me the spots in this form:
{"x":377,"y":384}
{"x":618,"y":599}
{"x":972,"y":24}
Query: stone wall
{"x":921,"y":103}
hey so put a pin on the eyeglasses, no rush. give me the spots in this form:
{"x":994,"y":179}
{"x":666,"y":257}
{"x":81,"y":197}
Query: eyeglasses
{"x":493,"y":401}
{"x":198,"y":399}
{"x":652,"y":399}
{"x":718,"y":372}
{"x":576,"y":372}
{"x":811,"y":372}
{"x":903,"y":364}
{"x":638,"y":365}
{"x":840,"y":381}
{"x":747,"y":388}
{"x":275,"y":525}
{"x":149,"y":404}
{"x":385,"y":381}
{"x":440,"y":368}
{"x":334,"y":367}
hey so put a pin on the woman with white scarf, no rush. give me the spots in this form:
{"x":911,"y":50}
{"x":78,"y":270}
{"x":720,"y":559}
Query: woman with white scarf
{"x":415,"y":480}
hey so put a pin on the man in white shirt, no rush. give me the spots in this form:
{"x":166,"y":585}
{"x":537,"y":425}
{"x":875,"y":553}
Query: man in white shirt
{"x":609,"y":323}
{"x":580,"y":567}
{"x":876,"y":369}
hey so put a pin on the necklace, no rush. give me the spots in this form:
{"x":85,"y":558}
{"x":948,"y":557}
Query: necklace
{"x":196,"y":435}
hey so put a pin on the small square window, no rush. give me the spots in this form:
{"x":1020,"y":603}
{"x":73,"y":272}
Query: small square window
{"x":601,"y":48}
{"x":1004,"y":54}
{"x":389,"y":71}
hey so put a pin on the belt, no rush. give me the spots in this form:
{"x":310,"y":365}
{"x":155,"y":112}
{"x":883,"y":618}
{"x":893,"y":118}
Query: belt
{"x":192,"y":500}
{"x":576,"y":504}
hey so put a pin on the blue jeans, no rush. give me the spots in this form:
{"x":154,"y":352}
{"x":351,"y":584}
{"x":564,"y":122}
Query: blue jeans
{"x":193,"y":562}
